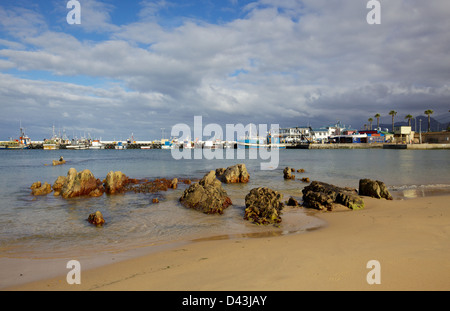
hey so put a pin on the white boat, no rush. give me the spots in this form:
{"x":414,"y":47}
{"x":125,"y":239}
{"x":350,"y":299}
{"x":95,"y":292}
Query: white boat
{"x":96,"y":144}
{"x":49,"y":145}
{"x":81,"y":144}
{"x":120,"y":146}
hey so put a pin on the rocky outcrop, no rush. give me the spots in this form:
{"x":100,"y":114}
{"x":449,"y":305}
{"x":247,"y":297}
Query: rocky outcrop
{"x":115,"y":182}
{"x":263,"y":206}
{"x":323,"y":196}
{"x":81,"y":184}
{"x":287,"y":173}
{"x":96,"y":219}
{"x":38,"y":188}
{"x":374,"y":188}
{"x":58,"y":162}
{"x":207,"y":196}
{"x":234,"y":174}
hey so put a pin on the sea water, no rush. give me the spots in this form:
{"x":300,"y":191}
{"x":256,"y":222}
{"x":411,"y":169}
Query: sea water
{"x":53,"y":227}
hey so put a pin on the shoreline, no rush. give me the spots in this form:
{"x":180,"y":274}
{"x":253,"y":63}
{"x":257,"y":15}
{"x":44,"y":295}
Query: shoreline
{"x":409,"y":238}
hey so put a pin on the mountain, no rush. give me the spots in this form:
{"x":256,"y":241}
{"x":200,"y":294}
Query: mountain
{"x":435,"y":125}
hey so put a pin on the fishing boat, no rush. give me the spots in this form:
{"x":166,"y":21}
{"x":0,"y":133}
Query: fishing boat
{"x":24,"y":142}
{"x":120,"y":146}
{"x":79,"y":144}
{"x":96,"y":144}
{"x":272,"y":140}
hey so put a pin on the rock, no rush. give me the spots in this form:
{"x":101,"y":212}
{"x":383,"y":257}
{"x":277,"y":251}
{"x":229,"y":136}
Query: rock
{"x":38,"y":189}
{"x":305,"y":179}
{"x":115,"y":182}
{"x":80,"y":184}
{"x":174,"y":183}
{"x":287,"y":172}
{"x":96,"y":219}
{"x":292,"y":202}
{"x":58,"y":184}
{"x":263,"y":206}
{"x":300,"y":170}
{"x":220,"y":172}
{"x":58,"y":162}
{"x":233,"y":174}
{"x":322,"y":196}
{"x":207,"y":196}
{"x":374,"y":188}
{"x":155,"y":200}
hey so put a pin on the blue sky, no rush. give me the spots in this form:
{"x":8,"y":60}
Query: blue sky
{"x":139,"y":66}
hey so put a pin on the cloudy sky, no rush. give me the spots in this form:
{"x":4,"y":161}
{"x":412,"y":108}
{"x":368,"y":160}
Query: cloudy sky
{"x":140,"y":66}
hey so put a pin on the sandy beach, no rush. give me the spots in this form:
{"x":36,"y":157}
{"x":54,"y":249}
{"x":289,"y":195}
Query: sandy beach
{"x":409,"y":238}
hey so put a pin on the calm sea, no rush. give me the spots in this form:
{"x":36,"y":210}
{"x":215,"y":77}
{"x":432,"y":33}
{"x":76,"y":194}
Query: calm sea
{"x":52,"y":227}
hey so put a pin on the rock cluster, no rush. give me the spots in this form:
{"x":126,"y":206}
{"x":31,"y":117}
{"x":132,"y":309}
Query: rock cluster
{"x":374,"y":188}
{"x":287,"y":173}
{"x":85,"y":184}
{"x":263,"y":206}
{"x":234,"y":174}
{"x":207,"y":196}
{"x":323,"y":196}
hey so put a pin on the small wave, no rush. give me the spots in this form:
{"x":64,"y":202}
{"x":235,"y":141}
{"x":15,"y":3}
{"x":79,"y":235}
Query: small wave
{"x":408,"y":187}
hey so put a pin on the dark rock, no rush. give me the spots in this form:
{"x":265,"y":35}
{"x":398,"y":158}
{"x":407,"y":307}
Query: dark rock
{"x":234,"y":174}
{"x":207,"y":196}
{"x":374,"y":188}
{"x":305,"y":179}
{"x":263,"y":206}
{"x":292,"y":202}
{"x":287,"y":173}
{"x":322,"y":196}
{"x":301,"y":170}
{"x":96,"y":219}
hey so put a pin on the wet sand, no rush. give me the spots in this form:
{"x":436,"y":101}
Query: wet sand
{"x":409,"y":238}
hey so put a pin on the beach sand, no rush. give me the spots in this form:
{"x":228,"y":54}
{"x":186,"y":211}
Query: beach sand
{"x":409,"y":238}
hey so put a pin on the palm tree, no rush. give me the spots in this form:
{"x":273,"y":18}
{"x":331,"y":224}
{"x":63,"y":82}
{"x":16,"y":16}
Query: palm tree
{"x":429,"y":112}
{"x":370,"y":120}
{"x":378,"y":120}
{"x":392,"y":113}
{"x":409,"y":117}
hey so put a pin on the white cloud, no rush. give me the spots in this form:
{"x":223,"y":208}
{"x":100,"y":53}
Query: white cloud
{"x":287,"y":61}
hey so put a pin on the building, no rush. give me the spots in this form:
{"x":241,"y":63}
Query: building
{"x":403,"y":134}
{"x":374,"y":136}
{"x":294,"y":134}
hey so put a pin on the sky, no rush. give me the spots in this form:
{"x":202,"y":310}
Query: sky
{"x":141,"y":67}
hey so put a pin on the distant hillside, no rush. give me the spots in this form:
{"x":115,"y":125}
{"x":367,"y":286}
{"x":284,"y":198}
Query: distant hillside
{"x":436,"y":126}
